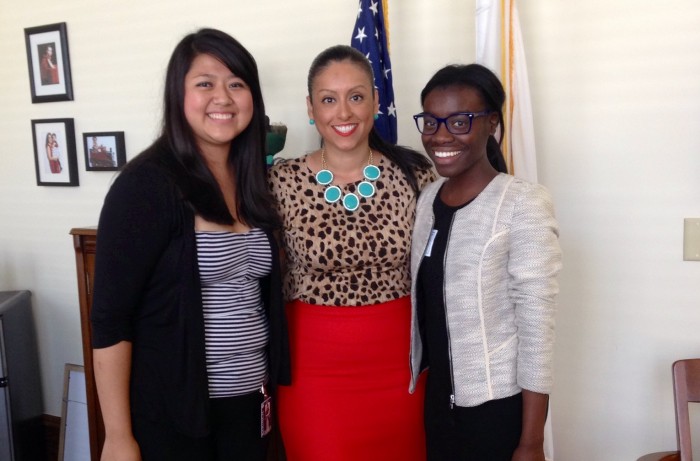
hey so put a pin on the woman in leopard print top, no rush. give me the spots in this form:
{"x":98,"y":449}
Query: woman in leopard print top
{"x":347,"y":279}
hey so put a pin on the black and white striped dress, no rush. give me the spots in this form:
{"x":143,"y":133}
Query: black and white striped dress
{"x":235,"y":324}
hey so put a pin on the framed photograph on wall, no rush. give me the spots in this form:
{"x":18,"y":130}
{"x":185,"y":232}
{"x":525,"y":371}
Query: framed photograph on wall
{"x":55,"y":157}
{"x":49,"y":63}
{"x":104,"y":151}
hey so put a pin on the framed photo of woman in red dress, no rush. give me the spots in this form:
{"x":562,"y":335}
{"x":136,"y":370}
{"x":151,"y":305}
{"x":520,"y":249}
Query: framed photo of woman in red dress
{"x":55,"y":157}
{"x":49,"y":63}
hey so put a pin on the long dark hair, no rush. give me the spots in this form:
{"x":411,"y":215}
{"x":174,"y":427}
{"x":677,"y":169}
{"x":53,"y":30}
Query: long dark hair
{"x":408,"y":160}
{"x":177,"y":149}
{"x":489,"y":87}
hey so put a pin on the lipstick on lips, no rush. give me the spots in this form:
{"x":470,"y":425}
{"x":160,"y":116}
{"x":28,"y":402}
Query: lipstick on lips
{"x":345,"y":130}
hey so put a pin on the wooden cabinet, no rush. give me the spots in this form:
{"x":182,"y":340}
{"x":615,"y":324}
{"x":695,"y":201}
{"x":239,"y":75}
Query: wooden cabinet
{"x":84,"y":241}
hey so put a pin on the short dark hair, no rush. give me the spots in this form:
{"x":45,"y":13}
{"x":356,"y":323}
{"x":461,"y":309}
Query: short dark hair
{"x":247,"y":155}
{"x":489,"y":87}
{"x":408,"y":160}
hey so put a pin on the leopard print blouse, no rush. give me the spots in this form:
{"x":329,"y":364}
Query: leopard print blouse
{"x":340,"y":258}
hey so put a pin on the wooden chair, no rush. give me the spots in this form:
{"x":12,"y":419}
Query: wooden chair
{"x":686,"y":388}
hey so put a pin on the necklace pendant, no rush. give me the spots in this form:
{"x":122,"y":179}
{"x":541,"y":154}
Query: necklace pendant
{"x":332,"y":194}
{"x":351,"y":201}
{"x":371,"y":172}
{"x":366,"y":189}
{"x":324,"y":177}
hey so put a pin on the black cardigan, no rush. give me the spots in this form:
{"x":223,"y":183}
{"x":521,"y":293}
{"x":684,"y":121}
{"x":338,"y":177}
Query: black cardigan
{"x":147,"y":291}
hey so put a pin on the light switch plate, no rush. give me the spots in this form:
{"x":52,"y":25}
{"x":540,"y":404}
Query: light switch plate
{"x":691,"y":239}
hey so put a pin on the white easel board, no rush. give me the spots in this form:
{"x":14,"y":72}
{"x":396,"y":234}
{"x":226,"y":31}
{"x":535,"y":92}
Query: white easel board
{"x":74,"y":439}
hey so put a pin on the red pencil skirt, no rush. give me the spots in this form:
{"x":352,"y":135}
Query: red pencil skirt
{"x":349,"y":397}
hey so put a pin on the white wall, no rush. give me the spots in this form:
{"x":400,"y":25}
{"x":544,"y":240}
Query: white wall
{"x":616,"y":98}
{"x":617,"y":107}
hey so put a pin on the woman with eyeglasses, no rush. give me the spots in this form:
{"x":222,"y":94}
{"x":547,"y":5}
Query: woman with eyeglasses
{"x":484,"y":263}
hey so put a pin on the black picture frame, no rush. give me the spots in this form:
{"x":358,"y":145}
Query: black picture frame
{"x":104,"y":151}
{"x":55,"y":156}
{"x":49,"y":63}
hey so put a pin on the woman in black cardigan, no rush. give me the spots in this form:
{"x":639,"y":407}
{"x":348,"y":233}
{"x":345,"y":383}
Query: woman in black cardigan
{"x":187,"y":317}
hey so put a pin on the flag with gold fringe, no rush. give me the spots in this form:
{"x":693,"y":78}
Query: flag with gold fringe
{"x":371,"y":38}
{"x":499,"y":46}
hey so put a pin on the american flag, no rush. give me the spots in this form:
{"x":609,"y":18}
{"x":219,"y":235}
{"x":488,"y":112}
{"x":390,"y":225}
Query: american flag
{"x":369,"y":37}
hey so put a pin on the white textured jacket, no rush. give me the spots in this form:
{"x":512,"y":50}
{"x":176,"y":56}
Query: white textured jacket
{"x":500,"y":267}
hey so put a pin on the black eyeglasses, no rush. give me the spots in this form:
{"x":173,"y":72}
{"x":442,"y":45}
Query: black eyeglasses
{"x":457,"y":123}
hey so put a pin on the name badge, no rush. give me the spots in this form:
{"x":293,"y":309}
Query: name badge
{"x":429,"y":247}
{"x":266,"y":416}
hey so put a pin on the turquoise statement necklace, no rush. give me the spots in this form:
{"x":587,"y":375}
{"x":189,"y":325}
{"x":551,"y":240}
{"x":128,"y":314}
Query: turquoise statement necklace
{"x":350,"y":201}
